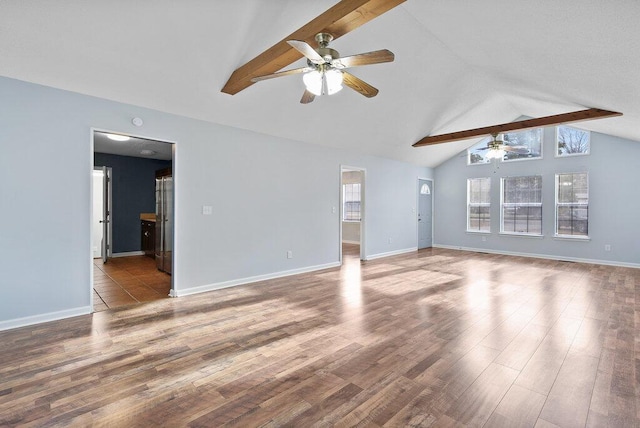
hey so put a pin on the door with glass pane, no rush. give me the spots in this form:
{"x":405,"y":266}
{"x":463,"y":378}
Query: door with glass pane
{"x":425,"y":221}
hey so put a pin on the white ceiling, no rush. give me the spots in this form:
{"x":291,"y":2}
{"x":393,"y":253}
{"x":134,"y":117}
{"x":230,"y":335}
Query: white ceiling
{"x":459,"y":64}
{"x":135,"y":147}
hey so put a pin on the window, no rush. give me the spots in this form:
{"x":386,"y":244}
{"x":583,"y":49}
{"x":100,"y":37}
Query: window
{"x":479,"y":204}
{"x":572,"y":141}
{"x":351,"y":200}
{"x":529,"y":143}
{"x":522,"y":205}
{"x":572,"y":204}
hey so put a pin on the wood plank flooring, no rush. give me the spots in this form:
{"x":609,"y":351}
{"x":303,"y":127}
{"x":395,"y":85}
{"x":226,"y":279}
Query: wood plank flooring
{"x":432,"y":338}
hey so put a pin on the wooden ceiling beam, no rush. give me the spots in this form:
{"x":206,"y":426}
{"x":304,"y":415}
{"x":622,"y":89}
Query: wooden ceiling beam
{"x":575,"y":116}
{"x":345,"y":16}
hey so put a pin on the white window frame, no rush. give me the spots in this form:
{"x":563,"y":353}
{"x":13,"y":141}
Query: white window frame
{"x":557,"y":136}
{"x":559,"y":204}
{"x":479,"y":205}
{"x":345,"y":201}
{"x":504,"y":204}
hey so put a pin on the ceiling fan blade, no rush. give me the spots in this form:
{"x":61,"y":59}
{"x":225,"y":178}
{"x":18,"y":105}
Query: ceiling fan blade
{"x":281,"y":73}
{"x":305,"y":49}
{"x":518,"y":150}
{"x":358,"y":85}
{"x":307,"y":97}
{"x":375,"y":57}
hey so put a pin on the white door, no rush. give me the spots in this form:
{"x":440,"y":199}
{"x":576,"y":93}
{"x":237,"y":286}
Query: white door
{"x":96,"y":221}
{"x":425,"y":222}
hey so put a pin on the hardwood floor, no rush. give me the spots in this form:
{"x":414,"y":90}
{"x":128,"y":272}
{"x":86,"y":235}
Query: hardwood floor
{"x":432,"y":338}
{"x":124,"y":281}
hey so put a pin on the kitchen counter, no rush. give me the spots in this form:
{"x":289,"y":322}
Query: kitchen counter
{"x":148,"y":217}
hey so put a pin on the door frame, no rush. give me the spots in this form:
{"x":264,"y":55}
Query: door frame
{"x":433,"y":203}
{"x":363,"y":204}
{"x":174,"y":156}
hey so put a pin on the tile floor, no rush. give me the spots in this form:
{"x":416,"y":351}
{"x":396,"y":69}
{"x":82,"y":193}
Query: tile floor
{"x":126,"y":281}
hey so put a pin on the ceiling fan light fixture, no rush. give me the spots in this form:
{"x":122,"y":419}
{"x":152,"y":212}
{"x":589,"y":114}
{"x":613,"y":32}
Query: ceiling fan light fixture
{"x":334,"y":81}
{"x":495,"y":154}
{"x":313,"y":82}
{"x":323,"y":82}
{"x":118,"y":137}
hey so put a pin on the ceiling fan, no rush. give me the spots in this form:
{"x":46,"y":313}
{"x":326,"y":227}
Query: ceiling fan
{"x":325,"y":71}
{"x":498,"y":148}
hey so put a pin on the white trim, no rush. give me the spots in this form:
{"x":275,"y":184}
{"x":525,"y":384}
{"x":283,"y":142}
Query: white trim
{"x":51,"y":316}
{"x":542,"y":256}
{"x":127,"y":254}
{"x":249,"y":280}
{"x":521,"y":235}
{"x":392,"y":253}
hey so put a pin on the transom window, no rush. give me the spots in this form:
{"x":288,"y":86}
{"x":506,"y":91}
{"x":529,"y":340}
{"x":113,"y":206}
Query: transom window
{"x":521,"y":205}
{"x":571,"y":141}
{"x":572,"y":204}
{"x":479,"y":204}
{"x":351,"y":200}
{"x":528,"y":143}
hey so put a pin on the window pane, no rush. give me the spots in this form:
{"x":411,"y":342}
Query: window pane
{"x":572,"y":141}
{"x":528,"y":142}
{"x":572,"y":204}
{"x":479,"y":204}
{"x":522,"y":205}
{"x":351,"y":199}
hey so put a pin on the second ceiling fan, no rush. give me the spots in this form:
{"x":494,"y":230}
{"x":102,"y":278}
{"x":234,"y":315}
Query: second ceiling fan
{"x":325,"y":71}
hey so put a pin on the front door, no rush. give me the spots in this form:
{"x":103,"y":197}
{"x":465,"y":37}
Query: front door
{"x":425,"y":191}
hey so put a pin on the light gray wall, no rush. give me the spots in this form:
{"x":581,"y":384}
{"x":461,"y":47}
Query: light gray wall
{"x":262,"y":205}
{"x":614,"y":202}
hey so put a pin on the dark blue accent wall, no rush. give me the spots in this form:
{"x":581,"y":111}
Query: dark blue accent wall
{"x":133,"y":192}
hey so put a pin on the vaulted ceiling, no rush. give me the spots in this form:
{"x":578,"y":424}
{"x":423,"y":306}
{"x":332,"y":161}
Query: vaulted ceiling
{"x":458,"y":65}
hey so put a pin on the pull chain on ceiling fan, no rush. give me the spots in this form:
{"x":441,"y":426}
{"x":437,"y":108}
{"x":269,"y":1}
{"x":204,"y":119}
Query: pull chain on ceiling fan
{"x":325,"y":71}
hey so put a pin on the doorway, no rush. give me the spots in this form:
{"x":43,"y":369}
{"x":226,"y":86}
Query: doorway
{"x":352,"y":212}
{"x":124,"y":179}
{"x":425,"y":210}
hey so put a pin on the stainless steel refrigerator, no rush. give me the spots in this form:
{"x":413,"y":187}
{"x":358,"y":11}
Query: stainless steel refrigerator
{"x":164,"y":219}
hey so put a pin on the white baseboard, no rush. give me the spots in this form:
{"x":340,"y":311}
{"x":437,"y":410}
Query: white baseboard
{"x":249,"y":280}
{"x":128,"y":254}
{"x":346,"y":241}
{"x":391,"y":253}
{"x":541,"y":256}
{"x":51,"y":316}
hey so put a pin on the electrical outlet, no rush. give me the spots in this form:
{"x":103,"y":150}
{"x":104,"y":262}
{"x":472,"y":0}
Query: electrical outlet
{"x":607,"y":247}
{"x":389,"y":240}
{"x":289,"y":254}
{"x":207,"y":210}
{"x":484,"y":239}
{"x":333,"y":210}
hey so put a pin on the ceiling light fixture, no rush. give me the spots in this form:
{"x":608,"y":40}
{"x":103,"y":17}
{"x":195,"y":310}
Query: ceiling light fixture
{"x":323,"y":82}
{"x":117,"y":137}
{"x":496,"y":148}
